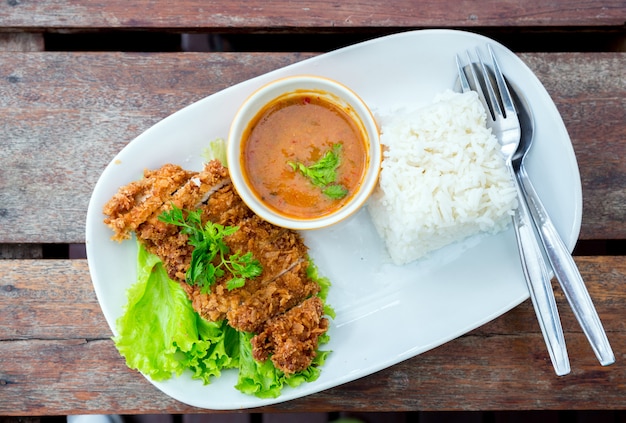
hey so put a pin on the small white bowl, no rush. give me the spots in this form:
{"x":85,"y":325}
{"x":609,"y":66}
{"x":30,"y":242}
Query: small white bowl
{"x":332,"y":91}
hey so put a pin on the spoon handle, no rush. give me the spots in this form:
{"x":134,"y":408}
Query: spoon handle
{"x":567,"y":274}
{"x":539,"y":284}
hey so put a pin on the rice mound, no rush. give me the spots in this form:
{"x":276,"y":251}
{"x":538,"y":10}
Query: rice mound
{"x":442,"y":178}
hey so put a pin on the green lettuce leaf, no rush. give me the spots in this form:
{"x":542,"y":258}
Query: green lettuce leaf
{"x":216,"y":151}
{"x":160,"y":334}
{"x":266,"y":381}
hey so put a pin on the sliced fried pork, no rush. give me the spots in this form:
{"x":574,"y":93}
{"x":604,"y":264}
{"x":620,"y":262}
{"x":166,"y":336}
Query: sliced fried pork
{"x":189,"y":196}
{"x":278,"y":301}
{"x":226,"y":207}
{"x":166,"y":241}
{"x":273,"y":298}
{"x":290,"y":340}
{"x":250,"y":307}
{"x":137,"y":201}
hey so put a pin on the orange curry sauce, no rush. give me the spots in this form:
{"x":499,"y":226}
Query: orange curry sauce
{"x":301,"y":128}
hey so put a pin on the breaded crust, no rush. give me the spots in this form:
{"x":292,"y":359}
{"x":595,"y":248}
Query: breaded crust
{"x":279,"y":305}
{"x":137,"y":201}
{"x":290,"y":340}
{"x":249,"y":308}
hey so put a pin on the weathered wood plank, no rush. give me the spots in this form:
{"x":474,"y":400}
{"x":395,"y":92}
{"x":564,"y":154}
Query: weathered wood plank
{"x":62,"y":361}
{"x":49,"y":299}
{"x":579,"y":88}
{"x":54,"y":299}
{"x":59,"y":132}
{"x":69,"y":377}
{"x":323,"y":14}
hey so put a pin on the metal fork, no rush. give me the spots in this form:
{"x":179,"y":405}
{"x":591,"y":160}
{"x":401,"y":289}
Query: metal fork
{"x":567,"y":274}
{"x":502,"y":119}
{"x":559,"y":257}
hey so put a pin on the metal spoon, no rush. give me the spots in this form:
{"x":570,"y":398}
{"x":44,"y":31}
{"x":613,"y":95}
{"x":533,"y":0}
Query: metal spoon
{"x":560,"y":259}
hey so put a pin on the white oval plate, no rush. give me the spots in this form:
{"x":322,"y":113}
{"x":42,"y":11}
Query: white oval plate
{"x":385,"y":313}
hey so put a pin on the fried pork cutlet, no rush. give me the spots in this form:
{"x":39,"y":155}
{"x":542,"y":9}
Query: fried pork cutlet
{"x":167,"y":241}
{"x":225,"y":207}
{"x":272,"y":303}
{"x":135,"y":202}
{"x":290,"y":340}
{"x":250,"y":307}
{"x":282,"y":284}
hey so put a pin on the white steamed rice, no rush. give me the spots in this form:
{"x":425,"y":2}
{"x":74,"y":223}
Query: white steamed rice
{"x":442,"y":178}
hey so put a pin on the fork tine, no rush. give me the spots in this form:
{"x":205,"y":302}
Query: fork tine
{"x":493,"y":98}
{"x":477,"y":85}
{"x":465,"y":86}
{"x":505,"y":95}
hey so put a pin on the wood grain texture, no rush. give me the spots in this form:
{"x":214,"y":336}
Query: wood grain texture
{"x":60,"y":359}
{"x":66,"y":115}
{"x":49,"y":299}
{"x":302,"y":15}
{"x":580,"y":88}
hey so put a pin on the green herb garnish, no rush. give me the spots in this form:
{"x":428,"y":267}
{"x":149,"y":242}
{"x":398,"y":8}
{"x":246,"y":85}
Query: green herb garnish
{"x":335,"y":192}
{"x":323,"y":173}
{"x":209,"y":247}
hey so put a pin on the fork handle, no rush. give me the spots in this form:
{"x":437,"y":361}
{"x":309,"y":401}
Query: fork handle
{"x":567,"y":274}
{"x":539,"y":285}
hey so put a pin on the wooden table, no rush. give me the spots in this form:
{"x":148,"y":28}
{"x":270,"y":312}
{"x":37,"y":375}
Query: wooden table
{"x":65,"y":114}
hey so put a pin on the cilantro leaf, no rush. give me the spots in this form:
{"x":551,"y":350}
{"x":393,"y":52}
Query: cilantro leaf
{"x":235,"y":283}
{"x":210,"y":259}
{"x":323,"y":173}
{"x":335,"y":192}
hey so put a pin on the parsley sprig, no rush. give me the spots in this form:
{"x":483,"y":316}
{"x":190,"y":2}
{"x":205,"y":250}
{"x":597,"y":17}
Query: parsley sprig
{"x":210,"y":257}
{"x":323,"y":173}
